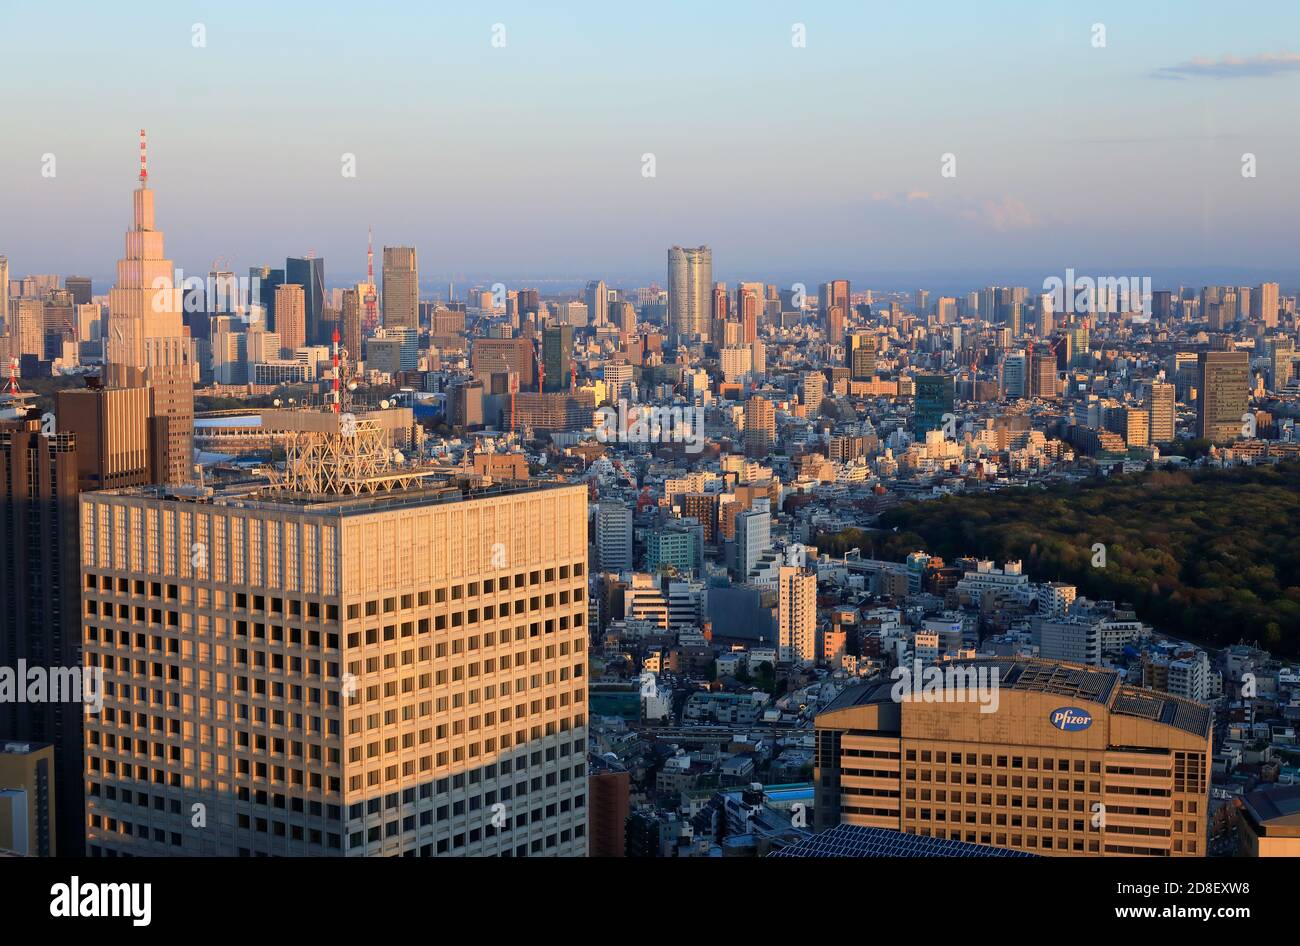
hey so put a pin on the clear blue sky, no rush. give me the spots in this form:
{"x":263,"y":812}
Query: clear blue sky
{"x":526,"y":160}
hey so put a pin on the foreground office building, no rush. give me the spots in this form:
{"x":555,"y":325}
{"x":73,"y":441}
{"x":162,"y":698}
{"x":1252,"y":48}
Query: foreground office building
{"x":353,"y":661}
{"x":1071,"y":762}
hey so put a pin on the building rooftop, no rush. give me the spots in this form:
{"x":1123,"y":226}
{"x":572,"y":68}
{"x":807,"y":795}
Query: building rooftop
{"x":851,"y":840}
{"x":258,"y":494}
{"x":1274,"y":810}
{"x":1069,"y":681}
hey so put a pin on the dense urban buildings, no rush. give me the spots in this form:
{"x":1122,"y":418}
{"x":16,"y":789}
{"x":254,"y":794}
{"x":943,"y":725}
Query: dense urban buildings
{"x":566,"y":555}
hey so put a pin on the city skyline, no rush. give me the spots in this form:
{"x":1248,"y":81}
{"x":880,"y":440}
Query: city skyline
{"x":1124,"y":156}
{"x":666,"y":432}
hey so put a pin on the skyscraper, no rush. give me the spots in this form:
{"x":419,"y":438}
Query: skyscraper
{"x":1160,"y":409}
{"x":1223,"y":394}
{"x":310,"y":274}
{"x":934,"y":399}
{"x":1264,"y":304}
{"x":797,"y":615}
{"x":79,"y":286}
{"x":350,"y":316}
{"x":597,"y":297}
{"x":557,"y":357}
{"x":401,"y":296}
{"x":39,"y":591}
{"x":760,"y":426}
{"x":834,"y":300}
{"x":291,"y":316}
{"x":614,"y":535}
{"x":263,"y":281}
{"x":147,"y":338}
{"x":112,"y":430}
{"x":4,"y":296}
{"x":862,"y":356}
{"x":690,"y":284}
{"x":334,"y":671}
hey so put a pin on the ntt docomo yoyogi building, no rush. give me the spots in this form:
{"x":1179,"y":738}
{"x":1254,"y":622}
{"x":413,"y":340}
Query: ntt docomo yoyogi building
{"x":1067,"y":761}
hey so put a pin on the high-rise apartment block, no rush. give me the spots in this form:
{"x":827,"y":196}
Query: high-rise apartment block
{"x":797,"y":615}
{"x":1161,"y":411}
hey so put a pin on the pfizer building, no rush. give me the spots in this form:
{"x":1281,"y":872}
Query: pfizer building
{"x":1030,"y":755}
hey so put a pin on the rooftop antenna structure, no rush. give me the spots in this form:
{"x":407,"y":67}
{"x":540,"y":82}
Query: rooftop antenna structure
{"x":371,"y":300}
{"x":144,"y":160}
{"x":11,"y":384}
{"x":337,"y":407}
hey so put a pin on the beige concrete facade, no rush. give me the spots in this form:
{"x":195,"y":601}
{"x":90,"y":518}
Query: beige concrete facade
{"x":1134,"y":782}
{"x":394,"y":674}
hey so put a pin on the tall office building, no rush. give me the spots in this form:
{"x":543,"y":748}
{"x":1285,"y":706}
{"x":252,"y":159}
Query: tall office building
{"x":309,"y":273}
{"x":350,"y":324}
{"x":263,"y":281}
{"x":934,"y":399}
{"x":557,"y":357}
{"x":797,"y":615}
{"x":1042,"y":381}
{"x":291,"y":318}
{"x":753,"y":537}
{"x":862,"y":356}
{"x":1264,"y":305}
{"x":112,"y":430}
{"x":1161,"y":411}
{"x":29,"y":327}
{"x":1223,"y":394}
{"x":834,"y":300}
{"x":597,"y":298}
{"x":148,"y":341}
{"x":614,"y":536}
{"x":760,"y":426}
{"x":401,"y":296}
{"x":814,"y":391}
{"x":690,"y":284}
{"x":40,"y":600}
{"x":4,"y":296}
{"x":1073,"y":762}
{"x":80,"y":287}
{"x":1013,"y":375}
{"x":353,"y":662}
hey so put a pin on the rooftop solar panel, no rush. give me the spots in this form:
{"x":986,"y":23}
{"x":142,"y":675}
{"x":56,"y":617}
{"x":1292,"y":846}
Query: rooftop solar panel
{"x":851,"y":840}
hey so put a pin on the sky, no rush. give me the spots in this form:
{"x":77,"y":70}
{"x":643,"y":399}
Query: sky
{"x":1119,"y":151}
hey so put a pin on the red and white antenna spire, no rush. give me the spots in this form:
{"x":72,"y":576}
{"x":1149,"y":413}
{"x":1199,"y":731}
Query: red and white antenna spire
{"x":371,"y":301}
{"x":144,"y":159}
{"x":11,"y":386}
{"x":336,"y":368}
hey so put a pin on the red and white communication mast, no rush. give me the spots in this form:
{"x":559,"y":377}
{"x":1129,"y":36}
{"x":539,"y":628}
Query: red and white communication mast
{"x":372,"y":293}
